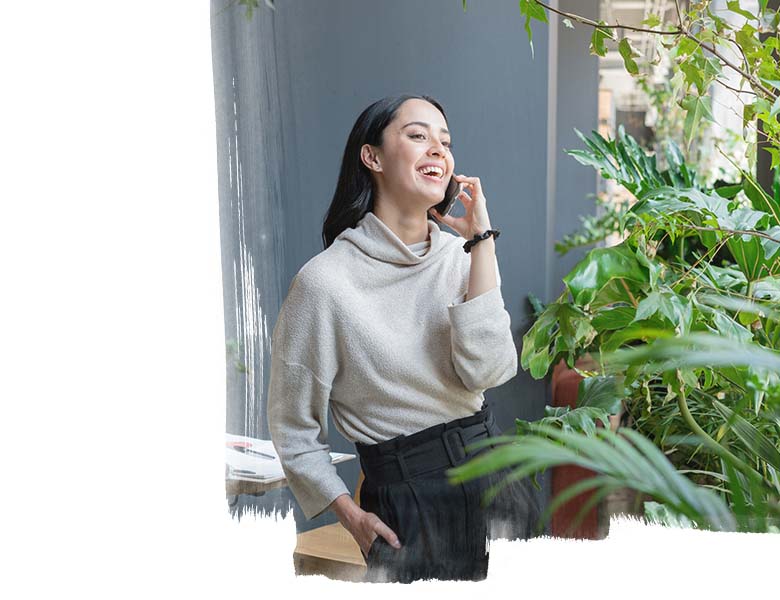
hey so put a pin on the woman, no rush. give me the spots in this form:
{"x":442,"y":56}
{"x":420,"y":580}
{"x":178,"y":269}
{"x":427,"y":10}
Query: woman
{"x":399,"y":331}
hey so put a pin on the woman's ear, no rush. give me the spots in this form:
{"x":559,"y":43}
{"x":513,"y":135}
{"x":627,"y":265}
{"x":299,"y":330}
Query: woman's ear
{"x":370,"y":158}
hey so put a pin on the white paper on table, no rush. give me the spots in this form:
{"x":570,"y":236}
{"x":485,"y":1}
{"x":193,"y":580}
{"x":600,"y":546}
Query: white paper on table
{"x":257,"y":467}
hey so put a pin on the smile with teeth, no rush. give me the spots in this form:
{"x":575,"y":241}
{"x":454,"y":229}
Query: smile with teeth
{"x":431,"y":172}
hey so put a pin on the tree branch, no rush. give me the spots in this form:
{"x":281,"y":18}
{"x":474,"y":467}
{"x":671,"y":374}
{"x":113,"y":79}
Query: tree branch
{"x":679,"y":31}
{"x":735,"y":89}
{"x":586,"y":21}
{"x":727,"y":62}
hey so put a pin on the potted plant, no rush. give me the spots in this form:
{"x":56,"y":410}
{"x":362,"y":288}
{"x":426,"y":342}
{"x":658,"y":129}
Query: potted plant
{"x":681,"y":321}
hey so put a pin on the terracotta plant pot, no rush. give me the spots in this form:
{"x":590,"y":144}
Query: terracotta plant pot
{"x":565,"y":385}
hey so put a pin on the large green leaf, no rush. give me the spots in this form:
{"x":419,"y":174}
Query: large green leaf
{"x":613,"y":317}
{"x":625,"y":161}
{"x":684,"y":199}
{"x":697,"y":108}
{"x":603,"y":392}
{"x":644,"y":331}
{"x":756,"y":256}
{"x":675,"y":308}
{"x":695,"y":350}
{"x":600,"y":267}
{"x":729,"y":328}
{"x":561,"y":329}
{"x":722,"y":278}
{"x":742,"y":305}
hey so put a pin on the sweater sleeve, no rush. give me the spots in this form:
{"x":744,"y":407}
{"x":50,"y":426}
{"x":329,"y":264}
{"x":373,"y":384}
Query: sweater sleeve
{"x":483,"y":351}
{"x":298,"y":397}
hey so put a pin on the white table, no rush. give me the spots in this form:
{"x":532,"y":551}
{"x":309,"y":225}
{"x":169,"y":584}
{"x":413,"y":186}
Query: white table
{"x":257,"y":468}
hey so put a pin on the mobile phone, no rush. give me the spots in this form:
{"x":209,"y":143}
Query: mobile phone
{"x":453,"y":189}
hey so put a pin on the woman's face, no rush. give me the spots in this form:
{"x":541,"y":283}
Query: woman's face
{"x":417,"y":137}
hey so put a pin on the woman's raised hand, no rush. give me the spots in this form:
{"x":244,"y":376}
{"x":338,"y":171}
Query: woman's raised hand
{"x":476,"y":219}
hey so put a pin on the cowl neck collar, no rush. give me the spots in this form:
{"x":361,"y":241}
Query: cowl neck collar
{"x":377,"y":240}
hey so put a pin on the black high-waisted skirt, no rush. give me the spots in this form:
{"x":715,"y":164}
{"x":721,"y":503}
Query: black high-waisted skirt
{"x":444,"y":531}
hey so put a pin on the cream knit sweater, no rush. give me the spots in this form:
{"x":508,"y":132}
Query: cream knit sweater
{"x":382,"y":337}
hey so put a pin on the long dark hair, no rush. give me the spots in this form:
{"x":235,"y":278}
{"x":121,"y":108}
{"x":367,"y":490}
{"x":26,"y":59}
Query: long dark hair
{"x":354,"y":195}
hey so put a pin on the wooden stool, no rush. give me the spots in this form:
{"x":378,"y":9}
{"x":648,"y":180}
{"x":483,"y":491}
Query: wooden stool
{"x":330,"y":550}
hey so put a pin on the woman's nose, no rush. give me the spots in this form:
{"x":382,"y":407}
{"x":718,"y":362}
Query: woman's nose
{"x":439,"y":148}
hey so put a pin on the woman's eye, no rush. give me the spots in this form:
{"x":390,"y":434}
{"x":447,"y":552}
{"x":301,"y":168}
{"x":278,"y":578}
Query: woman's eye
{"x":422,"y":135}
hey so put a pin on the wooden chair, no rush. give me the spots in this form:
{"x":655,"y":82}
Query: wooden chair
{"x":330,"y":550}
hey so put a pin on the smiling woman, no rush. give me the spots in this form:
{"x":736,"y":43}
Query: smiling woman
{"x":383,"y":163}
{"x":399,"y":345}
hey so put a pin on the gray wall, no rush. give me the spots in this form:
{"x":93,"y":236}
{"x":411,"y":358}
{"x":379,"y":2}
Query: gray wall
{"x":577,"y":106}
{"x":289,"y":85}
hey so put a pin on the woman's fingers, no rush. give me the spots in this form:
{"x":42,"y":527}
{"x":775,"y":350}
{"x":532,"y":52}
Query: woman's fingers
{"x":472,"y":182}
{"x":377,"y":528}
{"x":388,"y":534}
{"x":446,"y":219}
{"x":465,"y":197}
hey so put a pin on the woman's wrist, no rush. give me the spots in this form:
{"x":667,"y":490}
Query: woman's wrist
{"x":479,"y":231}
{"x":347,"y":511}
{"x":482,"y":274}
{"x":483,"y":245}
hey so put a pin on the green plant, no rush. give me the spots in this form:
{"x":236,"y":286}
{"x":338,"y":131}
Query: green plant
{"x":624,"y":161}
{"x":696,"y":41}
{"x":681,"y":319}
{"x":681,"y":312}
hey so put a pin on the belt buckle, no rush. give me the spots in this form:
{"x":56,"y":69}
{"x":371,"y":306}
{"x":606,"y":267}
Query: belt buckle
{"x":456,"y":453}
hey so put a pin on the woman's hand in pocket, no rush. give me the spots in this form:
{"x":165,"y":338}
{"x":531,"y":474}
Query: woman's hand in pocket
{"x":364,"y":526}
{"x":369,"y":528}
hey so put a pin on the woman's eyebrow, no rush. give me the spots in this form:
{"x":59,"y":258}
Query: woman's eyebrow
{"x":426,"y":125}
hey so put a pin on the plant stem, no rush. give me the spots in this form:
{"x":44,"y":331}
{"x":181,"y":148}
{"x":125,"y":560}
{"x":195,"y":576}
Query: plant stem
{"x":628,"y":291}
{"x":714,"y":250}
{"x":736,"y":231}
{"x":711,"y":443}
{"x":682,"y":249}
